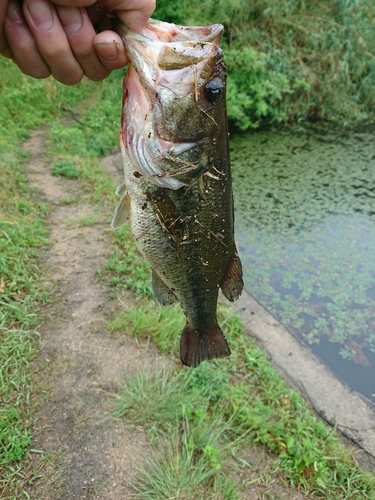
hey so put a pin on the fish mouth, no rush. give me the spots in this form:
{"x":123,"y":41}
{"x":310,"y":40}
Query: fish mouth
{"x":162,"y":31}
{"x":170,"y":46}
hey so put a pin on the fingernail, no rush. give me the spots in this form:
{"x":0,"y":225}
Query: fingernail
{"x":108,"y":51}
{"x":71,"y":18}
{"x":14,"y":12}
{"x":41,"y":13}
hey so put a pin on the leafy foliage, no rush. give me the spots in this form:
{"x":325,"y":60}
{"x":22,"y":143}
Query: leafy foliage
{"x":291,"y":61}
{"x":66,"y":169}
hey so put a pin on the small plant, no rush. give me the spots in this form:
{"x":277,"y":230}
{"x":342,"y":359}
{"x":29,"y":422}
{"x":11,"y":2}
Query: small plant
{"x":14,"y":438}
{"x":65,"y":169}
{"x":187,"y":464}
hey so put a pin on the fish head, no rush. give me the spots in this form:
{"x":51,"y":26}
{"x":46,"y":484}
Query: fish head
{"x":174,"y":93}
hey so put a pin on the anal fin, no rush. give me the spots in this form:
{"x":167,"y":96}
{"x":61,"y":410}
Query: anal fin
{"x":162,"y":293}
{"x":232,"y":284}
{"x":196,"y":347}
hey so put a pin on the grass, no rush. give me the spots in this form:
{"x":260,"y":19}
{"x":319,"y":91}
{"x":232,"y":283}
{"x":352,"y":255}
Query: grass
{"x":185,"y":465}
{"x":65,"y":169}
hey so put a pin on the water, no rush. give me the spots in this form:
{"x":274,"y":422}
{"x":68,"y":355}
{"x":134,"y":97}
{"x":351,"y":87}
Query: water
{"x":305,"y":225}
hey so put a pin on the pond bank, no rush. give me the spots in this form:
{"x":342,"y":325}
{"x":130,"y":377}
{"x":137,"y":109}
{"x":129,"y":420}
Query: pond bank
{"x":331,"y":398}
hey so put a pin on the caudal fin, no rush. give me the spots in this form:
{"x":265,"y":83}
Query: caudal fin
{"x":195,"y":346}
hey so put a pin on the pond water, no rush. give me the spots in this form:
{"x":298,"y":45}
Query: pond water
{"x":305,"y":226}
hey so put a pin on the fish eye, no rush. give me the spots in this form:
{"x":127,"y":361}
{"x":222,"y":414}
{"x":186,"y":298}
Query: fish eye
{"x":212,"y":89}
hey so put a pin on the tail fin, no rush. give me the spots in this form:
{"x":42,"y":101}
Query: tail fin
{"x":195,"y":346}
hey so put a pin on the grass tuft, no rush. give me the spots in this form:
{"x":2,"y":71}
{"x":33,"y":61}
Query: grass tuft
{"x":151,"y":321}
{"x":65,"y":169}
{"x":185,"y":465}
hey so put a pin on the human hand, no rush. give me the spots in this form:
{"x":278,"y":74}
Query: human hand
{"x":58,"y":37}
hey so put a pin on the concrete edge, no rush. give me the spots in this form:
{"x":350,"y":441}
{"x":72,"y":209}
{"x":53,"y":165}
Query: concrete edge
{"x":331,"y":398}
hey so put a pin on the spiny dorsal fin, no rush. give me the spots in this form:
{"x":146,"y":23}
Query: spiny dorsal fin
{"x":122,"y":212}
{"x":232,"y":284}
{"x":162,"y":293}
{"x":121,"y":189}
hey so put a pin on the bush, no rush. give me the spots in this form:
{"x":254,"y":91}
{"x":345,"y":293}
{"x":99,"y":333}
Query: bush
{"x":293,"y":60}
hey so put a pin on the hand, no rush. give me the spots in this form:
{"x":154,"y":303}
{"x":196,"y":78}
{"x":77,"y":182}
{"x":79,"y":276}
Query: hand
{"x":58,"y":37}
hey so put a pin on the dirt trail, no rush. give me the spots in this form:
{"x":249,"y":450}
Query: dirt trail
{"x":92,"y":456}
{"x":83,"y":366}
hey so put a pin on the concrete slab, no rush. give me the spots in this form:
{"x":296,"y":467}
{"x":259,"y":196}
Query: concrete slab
{"x":331,"y":398}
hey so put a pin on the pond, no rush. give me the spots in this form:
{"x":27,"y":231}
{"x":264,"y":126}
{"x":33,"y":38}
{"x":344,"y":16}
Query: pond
{"x":305,"y":226}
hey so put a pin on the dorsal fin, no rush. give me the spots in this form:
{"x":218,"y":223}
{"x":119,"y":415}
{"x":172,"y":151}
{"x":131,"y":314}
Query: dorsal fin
{"x":121,"y":189}
{"x":232,"y":284}
{"x":122,"y":212}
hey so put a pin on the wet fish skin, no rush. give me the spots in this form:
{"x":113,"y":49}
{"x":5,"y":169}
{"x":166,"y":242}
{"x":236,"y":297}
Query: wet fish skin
{"x":177,"y":191}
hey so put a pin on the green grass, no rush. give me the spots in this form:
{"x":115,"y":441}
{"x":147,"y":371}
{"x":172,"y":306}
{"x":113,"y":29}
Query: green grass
{"x":241,"y":398}
{"x":126,"y":269}
{"x":186,"y":465}
{"x":65,"y":169}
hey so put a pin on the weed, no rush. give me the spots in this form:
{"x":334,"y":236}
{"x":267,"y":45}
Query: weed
{"x":127,"y":270}
{"x":182,"y":468}
{"x":25,"y":104}
{"x":152,"y":400}
{"x":151,"y":321}
{"x":224,"y":414}
{"x":65,"y":169}
{"x":89,"y":216}
{"x":291,"y":61}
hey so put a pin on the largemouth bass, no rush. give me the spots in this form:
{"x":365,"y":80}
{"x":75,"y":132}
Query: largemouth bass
{"x":177,"y":191}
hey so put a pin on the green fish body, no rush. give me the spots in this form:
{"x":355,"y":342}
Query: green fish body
{"x":177,"y":192}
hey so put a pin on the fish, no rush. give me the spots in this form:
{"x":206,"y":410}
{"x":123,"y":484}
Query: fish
{"x":177,"y":192}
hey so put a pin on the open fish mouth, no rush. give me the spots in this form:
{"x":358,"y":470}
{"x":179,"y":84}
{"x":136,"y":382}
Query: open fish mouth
{"x":174,"y":48}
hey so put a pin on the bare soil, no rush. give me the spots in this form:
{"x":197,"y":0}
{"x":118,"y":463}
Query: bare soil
{"x":82,"y":366}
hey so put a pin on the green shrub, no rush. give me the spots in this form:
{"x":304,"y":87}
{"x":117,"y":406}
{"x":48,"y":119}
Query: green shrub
{"x":293,"y":60}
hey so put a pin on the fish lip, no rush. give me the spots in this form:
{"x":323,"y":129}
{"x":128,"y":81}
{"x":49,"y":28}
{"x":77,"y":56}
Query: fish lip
{"x":166,"y":46}
{"x":192,"y":32}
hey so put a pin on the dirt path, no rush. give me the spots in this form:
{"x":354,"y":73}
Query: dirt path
{"x":89,"y":455}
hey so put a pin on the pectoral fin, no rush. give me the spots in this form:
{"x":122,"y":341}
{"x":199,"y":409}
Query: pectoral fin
{"x":166,"y":211}
{"x":162,"y":293}
{"x":232,"y":284}
{"x":122,"y":212}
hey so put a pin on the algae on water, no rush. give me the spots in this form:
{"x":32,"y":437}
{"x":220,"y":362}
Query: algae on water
{"x":305,"y":223}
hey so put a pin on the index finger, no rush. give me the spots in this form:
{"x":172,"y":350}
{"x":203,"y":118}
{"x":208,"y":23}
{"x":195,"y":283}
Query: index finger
{"x":133,"y":13}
